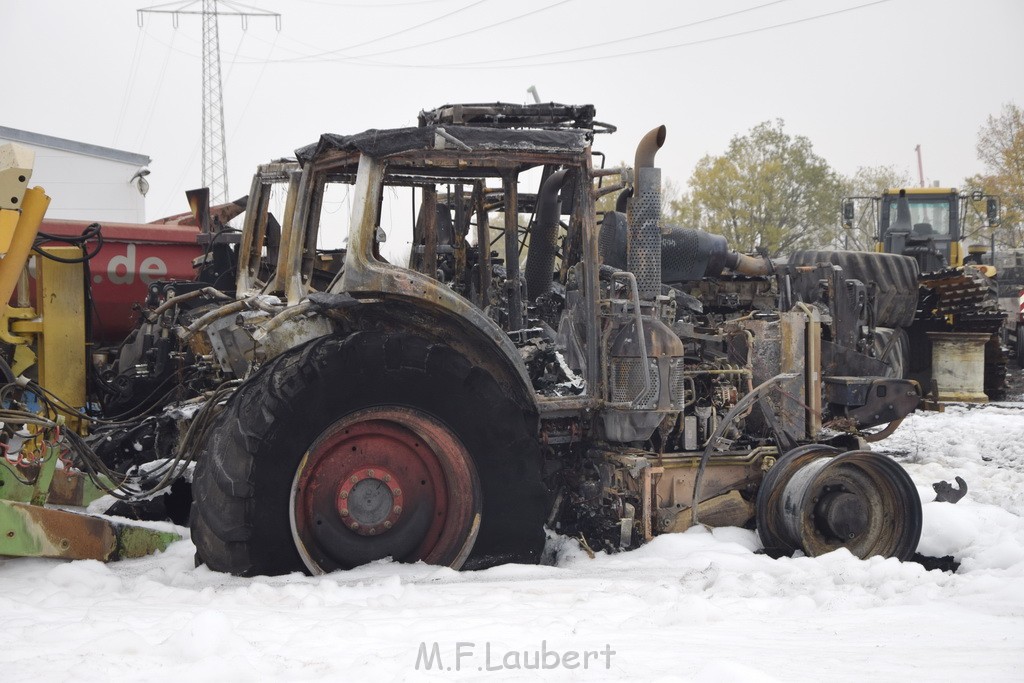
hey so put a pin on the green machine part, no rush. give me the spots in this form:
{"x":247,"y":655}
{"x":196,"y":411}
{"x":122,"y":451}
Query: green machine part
{"x":28,"y":529}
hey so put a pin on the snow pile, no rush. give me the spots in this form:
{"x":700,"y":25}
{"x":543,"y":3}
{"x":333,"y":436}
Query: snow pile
{"x":984,"y":445}
{"x":700,"y":606}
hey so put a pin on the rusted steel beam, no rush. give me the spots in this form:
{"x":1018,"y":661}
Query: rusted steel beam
{"x":289,"y":261}
{"x":461,"y":228}
{"x":514,"y":292}
{"x":483,"y":232}
{"x":426,"y":232}
{"x":254,"y":228}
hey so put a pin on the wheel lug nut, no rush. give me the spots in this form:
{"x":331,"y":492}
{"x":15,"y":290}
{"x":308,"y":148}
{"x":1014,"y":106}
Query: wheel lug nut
{"x":355,"y":478}
{"x":387,"y":478}
{"x":397,"y":492}
{"x":387,"y":525}
{"x":344,"y":512}
{"x":372,"y":530}
{"x":369,"y":473}
{"x":343,"y":495}
{"x":398,"y":509}
{"x":354,"y":525}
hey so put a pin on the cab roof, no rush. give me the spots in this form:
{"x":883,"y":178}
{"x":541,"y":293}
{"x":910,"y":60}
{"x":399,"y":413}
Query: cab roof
{"x":466,"y":140}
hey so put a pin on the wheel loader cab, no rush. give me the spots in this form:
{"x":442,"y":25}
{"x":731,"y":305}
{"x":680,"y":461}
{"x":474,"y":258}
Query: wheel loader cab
{"x":934,"y":234}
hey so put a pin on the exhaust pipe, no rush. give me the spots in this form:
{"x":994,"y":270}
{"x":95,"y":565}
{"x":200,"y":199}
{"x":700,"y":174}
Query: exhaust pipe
{"x":621,"y":201}
{"x":540,"y":262}
{"x":903,"y":222}
{"x":747,"y":265}
{"x":648,"y":147}
{"x":643,"y":243}
{"x":199,"y":203}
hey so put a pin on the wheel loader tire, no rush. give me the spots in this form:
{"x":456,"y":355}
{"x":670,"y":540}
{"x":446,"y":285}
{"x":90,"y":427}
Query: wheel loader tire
{"x":894,"y":352}
{"x":894,"y":277}
{"x":348,"y":450}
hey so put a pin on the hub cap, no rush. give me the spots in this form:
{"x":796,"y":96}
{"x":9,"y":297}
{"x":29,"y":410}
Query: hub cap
{"x":385,"y":482}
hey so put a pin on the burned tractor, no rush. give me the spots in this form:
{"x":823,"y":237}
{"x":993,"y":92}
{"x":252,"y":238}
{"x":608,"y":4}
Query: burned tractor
{"x":522,"y":362}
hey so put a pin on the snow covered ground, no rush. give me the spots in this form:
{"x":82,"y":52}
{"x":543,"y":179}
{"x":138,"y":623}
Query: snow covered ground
{"x":700,"y":606}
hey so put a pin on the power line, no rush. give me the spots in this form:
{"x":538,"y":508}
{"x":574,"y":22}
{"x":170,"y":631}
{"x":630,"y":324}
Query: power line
{"x":354,"y":58}
{"x":473,"y":30}
{"x":274,"y":43}
{"x":252,"y":91}
{"x":618,"y":55}
{"x":156,"y":96}
{"x":629,"y":38}
{"x":361,"y":60}
{"x":132,"y":73}
{"x":374,"y":5}
{"x":315,"y":57}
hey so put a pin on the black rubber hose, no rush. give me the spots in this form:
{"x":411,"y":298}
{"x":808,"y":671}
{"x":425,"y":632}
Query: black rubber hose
{"x":92,"y":232}
{"x":540,"y":262}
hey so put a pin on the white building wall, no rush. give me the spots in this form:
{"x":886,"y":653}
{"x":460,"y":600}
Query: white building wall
{"x":85,"y":186}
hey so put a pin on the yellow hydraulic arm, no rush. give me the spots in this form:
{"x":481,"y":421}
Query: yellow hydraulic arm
{"x":54,"y":329}
{"x":21,"y":212}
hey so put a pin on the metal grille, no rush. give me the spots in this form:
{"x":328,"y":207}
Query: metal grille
{"x":627,"y":382}
{"x":643,"y":253}
{"x":677,"y":383}
{"x":683,"y":257}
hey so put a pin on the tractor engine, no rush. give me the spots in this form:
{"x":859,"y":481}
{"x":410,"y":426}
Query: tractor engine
{"x":718,"y":365}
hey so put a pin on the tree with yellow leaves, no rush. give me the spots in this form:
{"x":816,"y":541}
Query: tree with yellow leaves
{"x":769,"y":191}
{"x":1001,"y":148}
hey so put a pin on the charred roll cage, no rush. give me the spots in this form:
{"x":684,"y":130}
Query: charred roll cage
{"x":447,"y":411}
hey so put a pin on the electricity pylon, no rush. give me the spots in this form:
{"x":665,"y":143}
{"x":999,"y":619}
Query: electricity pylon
{"x":215,"y":164}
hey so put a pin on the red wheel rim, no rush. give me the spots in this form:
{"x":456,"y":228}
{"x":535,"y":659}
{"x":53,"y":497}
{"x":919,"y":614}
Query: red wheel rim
{"x":385,"y":482}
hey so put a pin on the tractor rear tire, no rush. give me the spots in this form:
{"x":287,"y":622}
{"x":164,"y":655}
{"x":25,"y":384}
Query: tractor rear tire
{"x":349,"y":450}
{"x":894,"y":277}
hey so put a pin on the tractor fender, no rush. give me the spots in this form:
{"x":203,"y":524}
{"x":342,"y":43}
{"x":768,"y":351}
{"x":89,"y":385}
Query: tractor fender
{"x":486,"y":346}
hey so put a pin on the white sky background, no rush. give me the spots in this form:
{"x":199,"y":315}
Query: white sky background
{"x":864,"y":85}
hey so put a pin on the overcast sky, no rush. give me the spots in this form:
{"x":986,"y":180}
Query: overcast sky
{"x":865,"y":81}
